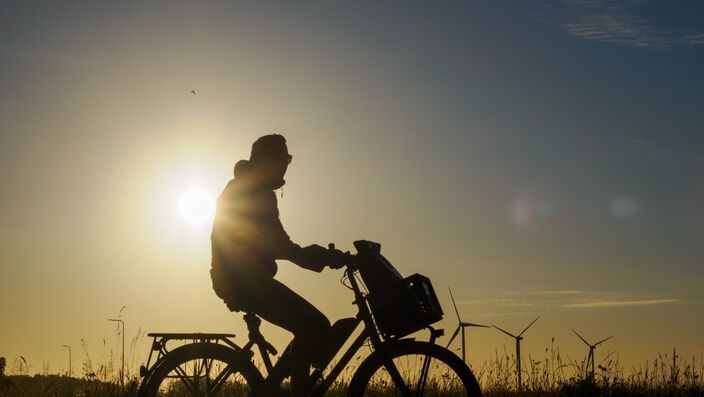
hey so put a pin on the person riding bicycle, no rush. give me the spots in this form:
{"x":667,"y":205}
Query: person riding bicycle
{"x":247,"y":238}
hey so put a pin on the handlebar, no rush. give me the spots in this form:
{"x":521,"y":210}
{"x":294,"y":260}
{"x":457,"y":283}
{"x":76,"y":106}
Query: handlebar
{"x":348,"y":257}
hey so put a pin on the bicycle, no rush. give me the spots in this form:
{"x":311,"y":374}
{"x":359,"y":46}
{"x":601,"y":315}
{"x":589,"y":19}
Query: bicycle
{"x":213,"y":365}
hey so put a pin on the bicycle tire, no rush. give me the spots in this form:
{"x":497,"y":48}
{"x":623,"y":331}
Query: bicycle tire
{"x":361,"y":385}
{"x":153,"y":384}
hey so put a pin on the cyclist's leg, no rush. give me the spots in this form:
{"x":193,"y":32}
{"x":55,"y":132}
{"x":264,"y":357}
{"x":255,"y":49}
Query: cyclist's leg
{"x":281,"y":306}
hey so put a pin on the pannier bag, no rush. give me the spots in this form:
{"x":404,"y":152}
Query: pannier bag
{"x":400,"y":306}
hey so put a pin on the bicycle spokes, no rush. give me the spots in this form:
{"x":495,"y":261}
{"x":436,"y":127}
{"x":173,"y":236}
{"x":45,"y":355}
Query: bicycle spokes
{"x":397,"y":378}
{"x":414,"y":375}
{"x":423,"y":376}
{"x":202,"y":377}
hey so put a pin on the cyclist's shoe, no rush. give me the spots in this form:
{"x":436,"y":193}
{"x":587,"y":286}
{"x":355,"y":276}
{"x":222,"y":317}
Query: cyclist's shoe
{"x":339,"y":332}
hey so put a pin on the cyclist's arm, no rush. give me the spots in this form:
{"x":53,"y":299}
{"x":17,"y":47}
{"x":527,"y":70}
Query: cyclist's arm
{"x":312,"y":257}
{"x":280,"y":245}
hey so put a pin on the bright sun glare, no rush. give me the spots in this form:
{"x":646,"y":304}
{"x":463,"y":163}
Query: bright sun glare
{"x":196,"y":206}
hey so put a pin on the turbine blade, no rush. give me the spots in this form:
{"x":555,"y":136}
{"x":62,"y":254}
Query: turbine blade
{"x":580,"y":337}
{"x":474,"y":325}
{"x":526,"y":328}
{"x":454,"y":335}
{"x":603,"y":340}
{"x":505,"y":332}
{"x":455,"y":305}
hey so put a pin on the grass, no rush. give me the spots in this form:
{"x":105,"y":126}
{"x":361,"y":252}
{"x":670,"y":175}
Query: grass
{"x":551,"y":375}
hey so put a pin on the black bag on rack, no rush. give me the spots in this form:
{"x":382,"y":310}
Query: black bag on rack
{"x":400,"y":306}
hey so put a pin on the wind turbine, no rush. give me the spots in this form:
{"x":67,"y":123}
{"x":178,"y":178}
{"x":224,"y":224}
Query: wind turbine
{"x":461,"y":325}
{"x":590,"y":357}
{"x":518,"y":339}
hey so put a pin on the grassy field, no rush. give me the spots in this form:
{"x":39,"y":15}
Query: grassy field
{"x":551,"y":375}
{"x":53,"y":385}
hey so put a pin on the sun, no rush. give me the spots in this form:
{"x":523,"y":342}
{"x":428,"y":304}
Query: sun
{"x":196,"y":206}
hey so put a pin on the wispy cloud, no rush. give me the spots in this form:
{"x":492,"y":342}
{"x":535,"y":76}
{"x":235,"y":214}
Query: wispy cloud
{"x":695,"y":39}
{"x":496,"y":302}
{"x":502,"y":314}
{"x":642,"y":302}
{"x":617,"y":22}
{"x":570,"y":292}
{"x":608,"y":21}
{"x":571,"y":299}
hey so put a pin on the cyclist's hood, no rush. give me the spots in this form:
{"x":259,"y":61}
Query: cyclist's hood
{"x":245,"y":173}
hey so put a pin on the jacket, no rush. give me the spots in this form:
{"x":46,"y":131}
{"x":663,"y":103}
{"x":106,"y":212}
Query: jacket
{"x":247,"y":238}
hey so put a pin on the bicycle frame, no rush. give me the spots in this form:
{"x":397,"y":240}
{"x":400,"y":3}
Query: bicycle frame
{"x":369,"y":332}
{"x":277,"y":372}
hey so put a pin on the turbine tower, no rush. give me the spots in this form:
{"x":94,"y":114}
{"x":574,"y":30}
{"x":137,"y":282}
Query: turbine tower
{"x":461,"y":325}
{"x":590,"y":357}
{"x":518,"y":339}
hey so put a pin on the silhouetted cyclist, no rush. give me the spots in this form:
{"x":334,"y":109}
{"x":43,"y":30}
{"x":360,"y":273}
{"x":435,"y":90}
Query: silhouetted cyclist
{"x":248,"y":237}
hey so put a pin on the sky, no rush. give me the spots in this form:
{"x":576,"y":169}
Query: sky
{"x":539,"y":158}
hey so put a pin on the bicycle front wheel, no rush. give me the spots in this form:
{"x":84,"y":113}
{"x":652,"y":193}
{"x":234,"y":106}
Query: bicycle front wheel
{"x":413,"y":368}
{"x":202,"y":369}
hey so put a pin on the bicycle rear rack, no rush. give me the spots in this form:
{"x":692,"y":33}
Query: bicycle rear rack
{"x":162,"y":338}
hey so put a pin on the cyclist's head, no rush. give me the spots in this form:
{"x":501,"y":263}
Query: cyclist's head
{"x":270,"y":159}
{"x":269,"y":146}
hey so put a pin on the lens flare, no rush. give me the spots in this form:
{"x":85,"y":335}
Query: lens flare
{"x":624,"y":206}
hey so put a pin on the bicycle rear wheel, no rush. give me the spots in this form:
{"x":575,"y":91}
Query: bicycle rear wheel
{"x":414,"y":368}
{"x":202,"y":369}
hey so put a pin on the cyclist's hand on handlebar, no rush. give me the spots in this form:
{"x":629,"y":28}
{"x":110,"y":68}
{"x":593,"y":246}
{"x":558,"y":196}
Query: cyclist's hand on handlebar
{"x":314,"y":258}
{"x":336,"y":258}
